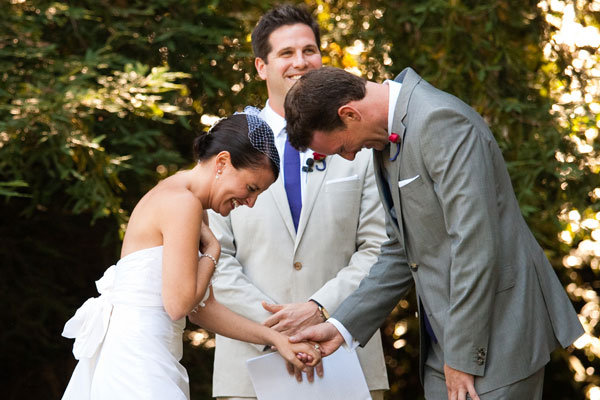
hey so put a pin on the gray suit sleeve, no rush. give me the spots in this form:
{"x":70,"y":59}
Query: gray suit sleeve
{"x":456,"y":148}
{"x":365,"y":310}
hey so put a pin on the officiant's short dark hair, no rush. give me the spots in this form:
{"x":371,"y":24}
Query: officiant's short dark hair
{"x":277,"y":17}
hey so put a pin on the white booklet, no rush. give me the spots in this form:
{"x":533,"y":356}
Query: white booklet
{"x":342,"y":379}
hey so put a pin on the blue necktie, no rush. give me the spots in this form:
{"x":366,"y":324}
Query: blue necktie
{"x":291,"y":176}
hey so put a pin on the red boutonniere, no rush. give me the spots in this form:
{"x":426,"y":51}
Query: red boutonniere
{"x":319,"y":158}
{"x":395,"y":138}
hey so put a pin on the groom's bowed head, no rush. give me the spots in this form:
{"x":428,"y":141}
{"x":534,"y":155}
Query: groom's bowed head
{"x":335,"y":112}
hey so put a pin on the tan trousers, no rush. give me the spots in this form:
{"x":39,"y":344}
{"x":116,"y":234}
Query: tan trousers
{"x":375,"y":395}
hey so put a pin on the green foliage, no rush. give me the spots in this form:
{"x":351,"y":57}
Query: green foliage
{"x":10,"y":189}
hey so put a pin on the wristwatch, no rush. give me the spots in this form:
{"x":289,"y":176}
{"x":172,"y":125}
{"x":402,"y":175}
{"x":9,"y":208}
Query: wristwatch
{"x":322,"y":310}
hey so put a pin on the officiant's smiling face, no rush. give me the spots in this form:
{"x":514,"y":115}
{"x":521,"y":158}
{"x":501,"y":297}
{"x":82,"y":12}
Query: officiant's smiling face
{"x":294,"y":52}
{"x":239,"y":187}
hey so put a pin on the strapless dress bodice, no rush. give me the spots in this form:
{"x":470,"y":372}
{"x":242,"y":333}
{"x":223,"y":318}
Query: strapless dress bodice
{"x":137,"y":278}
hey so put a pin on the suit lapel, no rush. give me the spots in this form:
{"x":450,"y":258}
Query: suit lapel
{"x":314,"y":182}
{"x":393,"y":173}
{"x":384,"y":188}
{"x":409,"y":80}
{"x":277,"y":190}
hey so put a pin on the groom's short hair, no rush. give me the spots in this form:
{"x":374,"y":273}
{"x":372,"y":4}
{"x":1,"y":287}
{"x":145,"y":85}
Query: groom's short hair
{"x":276,"y":18}
{"x":312,"y":103}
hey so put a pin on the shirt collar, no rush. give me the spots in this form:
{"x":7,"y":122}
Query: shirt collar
{"x":275,"y":121}
{"x":393,"y":99}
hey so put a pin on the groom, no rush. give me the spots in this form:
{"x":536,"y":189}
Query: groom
{"x":491,"y":307}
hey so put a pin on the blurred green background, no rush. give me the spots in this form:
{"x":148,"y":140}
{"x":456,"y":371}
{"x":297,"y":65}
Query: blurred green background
{"x":101,"y":99}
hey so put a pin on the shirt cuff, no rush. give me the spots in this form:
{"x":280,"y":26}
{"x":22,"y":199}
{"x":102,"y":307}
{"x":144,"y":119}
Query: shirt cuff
{"x":350,"y":342}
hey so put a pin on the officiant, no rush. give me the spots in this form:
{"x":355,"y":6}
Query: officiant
{"x":310,"y":238}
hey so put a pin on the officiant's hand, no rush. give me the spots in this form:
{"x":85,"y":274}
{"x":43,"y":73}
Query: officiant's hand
{"x":326,"y":334}
{"x":289,"y":319}
{"x":293,"y":317}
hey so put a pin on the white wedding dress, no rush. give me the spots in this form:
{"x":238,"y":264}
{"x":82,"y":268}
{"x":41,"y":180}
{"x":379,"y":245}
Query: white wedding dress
{"x":127,"y":345}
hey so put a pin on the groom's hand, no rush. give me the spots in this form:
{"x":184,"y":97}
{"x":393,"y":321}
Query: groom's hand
{"x":459,"y":384}
{"x":291,"y":318}
{"x":326,"y":334}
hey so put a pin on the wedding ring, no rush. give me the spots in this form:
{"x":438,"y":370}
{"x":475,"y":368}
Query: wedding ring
{"x":317,"y":347}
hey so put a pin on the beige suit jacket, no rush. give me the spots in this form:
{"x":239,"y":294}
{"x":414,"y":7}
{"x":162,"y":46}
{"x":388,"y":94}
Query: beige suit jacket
{"x":340,"y":231}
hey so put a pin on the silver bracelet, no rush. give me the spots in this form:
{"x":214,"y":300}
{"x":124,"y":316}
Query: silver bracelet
{"x":209,"y":256}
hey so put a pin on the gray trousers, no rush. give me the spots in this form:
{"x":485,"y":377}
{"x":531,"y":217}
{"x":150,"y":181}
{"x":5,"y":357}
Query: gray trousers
{"x":529,"y":388}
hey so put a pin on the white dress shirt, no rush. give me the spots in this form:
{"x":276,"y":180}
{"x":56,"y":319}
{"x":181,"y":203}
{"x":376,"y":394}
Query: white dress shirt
{"x":277,"y":124}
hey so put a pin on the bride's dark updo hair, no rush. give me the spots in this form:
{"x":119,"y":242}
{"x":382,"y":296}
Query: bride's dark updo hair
{"x":254,"y":150}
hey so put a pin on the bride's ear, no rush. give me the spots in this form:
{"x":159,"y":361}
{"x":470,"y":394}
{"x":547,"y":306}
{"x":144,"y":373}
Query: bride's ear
{"x":222,"y":161}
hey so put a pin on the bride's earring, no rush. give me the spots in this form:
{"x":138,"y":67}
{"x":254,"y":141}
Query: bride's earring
{"x":218,"y":174}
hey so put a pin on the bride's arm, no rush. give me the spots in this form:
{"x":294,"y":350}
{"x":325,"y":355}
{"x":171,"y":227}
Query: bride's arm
{"x":210,"y":246}
{"x":185,"y":277}
{"x":219,"y":319}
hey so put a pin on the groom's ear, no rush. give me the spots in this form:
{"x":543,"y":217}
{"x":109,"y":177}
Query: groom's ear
{"x":348,"y":114}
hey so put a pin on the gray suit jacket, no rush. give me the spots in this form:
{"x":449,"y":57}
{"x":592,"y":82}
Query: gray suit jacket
{"x":456,"y":232}
{"x":340,"y":232}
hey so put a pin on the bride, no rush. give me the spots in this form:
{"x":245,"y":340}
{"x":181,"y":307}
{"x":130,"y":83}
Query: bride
{"x":129,"y":340}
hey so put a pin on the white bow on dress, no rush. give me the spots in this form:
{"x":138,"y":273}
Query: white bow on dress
{"x":89,"y":324}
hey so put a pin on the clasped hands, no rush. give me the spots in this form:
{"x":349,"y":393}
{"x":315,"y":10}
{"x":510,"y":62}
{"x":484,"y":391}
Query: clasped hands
{"x":303,"y":322}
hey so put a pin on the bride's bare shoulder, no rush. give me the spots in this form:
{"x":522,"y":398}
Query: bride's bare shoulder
{"x":176,"y":198}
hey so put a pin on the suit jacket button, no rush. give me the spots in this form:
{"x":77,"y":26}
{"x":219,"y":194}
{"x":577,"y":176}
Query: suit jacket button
{"x":481,"y":352}
{"x":298,"y":266}
{"x":414,"y":267}
{"x":480,"y":360}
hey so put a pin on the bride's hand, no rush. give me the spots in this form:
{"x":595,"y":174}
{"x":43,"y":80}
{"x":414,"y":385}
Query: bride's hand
{"x":300,"y":355}
{"x":310,"y":371}
{"x":209,"y":243}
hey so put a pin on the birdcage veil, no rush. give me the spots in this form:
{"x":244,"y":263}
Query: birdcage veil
{"x":260,"y":134}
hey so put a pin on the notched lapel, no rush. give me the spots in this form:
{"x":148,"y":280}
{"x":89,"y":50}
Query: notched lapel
{"x":277,"y":190}
{"x":409,"y":79}
{"x":398,"y":128}
{"x":314,"y":182}
{"x":384,"y":188}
